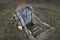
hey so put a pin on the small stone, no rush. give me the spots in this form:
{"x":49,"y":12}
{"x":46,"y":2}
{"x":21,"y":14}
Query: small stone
{"x":20,"y":28}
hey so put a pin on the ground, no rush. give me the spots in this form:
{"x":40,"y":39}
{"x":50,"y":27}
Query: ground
{"x":48,"y":13}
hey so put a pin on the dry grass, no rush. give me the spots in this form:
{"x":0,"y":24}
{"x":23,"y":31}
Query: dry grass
{"x":48,"y":13}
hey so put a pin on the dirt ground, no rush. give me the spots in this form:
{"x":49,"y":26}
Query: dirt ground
{"x":48,"y":13}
